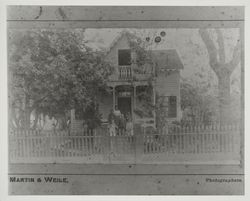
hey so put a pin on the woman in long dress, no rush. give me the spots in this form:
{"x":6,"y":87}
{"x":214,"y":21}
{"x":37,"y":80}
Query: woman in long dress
{"x":112,"y":134}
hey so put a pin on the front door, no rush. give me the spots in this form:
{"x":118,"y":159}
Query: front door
{"x":124,"y":105}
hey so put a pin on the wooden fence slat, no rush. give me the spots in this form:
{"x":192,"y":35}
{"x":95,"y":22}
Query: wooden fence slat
{"x":179,"y":142}
{"x":232,"y":142}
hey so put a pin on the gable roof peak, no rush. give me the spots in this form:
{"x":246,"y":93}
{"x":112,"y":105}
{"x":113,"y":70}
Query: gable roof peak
{"x":122,"y":34}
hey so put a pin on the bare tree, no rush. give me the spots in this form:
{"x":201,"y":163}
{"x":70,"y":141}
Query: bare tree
{"x":222,"y":69}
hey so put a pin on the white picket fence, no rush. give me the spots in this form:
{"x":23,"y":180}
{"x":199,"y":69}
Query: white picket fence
{"x":99,"y":147}
{"x":195,"y":139}
{"x":32,"y":143}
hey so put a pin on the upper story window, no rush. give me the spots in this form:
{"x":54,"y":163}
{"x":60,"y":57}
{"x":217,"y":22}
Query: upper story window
{"x":124,"y":57}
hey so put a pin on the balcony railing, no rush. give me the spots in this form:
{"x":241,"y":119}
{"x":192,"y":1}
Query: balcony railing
{"x":129,"y":73}
{"x":125,"y":72}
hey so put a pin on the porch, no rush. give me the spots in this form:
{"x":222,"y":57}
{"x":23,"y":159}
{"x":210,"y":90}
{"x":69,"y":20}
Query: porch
{"x":131,"y":102}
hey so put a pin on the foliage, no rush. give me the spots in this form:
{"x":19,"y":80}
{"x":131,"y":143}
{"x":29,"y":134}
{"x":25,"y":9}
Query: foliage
{"x":92,"y":116}
{"x":143,"y":57}
{"x":145,"y":100}
{"x":197,"y":103}
{"x":52,"y":72}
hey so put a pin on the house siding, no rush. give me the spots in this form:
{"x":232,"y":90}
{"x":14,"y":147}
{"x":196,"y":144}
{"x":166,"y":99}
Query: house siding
{"x":105,"y":105}
{"x":168,"y":84}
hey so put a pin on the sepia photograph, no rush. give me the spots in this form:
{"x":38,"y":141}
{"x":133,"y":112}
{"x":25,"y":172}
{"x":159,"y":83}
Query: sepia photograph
{"x":123,"y":100}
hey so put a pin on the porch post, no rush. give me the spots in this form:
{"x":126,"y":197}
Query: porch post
{"x":113,"y":97}
{"x":134,"y":96}
{"x":154,"y":105}
{"x":134,"y":104}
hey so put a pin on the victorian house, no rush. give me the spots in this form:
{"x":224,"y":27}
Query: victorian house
{"x":137,"y":90}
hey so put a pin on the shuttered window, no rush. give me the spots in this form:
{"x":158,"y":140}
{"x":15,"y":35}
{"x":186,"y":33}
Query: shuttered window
{"x":172,"y":107}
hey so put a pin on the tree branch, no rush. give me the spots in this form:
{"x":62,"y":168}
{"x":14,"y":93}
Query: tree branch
{"x":235,"y":58}
{"x":212,"y":51}
{"x":220,"y":42}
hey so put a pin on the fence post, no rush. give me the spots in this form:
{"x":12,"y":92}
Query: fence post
{"x":139,"y":144}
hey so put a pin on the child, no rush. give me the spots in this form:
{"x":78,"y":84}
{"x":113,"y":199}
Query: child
{"x":112,"y":128}
{"x":112,"y":134}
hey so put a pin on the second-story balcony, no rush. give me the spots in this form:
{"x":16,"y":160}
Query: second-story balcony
{"x":132,"y":72}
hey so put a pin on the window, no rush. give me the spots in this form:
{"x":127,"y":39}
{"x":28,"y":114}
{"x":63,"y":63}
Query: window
{"x":169,"y":105}
{"x":172,"y":107}
{"x":124,"y":57}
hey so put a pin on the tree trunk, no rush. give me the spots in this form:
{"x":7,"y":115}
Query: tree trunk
{"x":224,"y":97}
{"x":27,"y":112}
{"x":27,"y":119}
{"x":222,"y":69}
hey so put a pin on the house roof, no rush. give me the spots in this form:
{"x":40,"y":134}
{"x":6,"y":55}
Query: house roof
{"x":169,"y":59}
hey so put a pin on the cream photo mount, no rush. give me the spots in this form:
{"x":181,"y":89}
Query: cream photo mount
{"x":136,"y":17}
